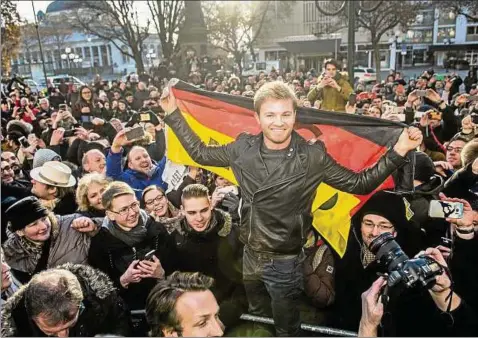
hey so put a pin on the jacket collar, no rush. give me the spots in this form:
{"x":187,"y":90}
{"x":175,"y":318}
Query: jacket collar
{"x":251,"y":161}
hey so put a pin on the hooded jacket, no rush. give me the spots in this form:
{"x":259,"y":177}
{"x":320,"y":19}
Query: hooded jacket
{"x":104,"y":312}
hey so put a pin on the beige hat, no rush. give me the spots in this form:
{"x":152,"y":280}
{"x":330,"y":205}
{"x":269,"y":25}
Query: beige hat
{"x":54,"y":173}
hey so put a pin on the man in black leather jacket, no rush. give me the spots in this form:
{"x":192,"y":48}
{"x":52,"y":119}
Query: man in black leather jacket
{"x":278,"y":173}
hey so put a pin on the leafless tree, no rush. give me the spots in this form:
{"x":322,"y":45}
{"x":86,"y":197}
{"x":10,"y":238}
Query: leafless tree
{"x":116,"y":21}
{"x":167,"y":15}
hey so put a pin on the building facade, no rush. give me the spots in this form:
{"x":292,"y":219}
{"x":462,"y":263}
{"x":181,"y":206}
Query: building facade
{"x":77,"y":53}
{"x":304,"y":39}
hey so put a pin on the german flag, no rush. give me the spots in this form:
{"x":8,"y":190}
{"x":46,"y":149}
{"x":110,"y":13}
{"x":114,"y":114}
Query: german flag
{"x":354,"y":141}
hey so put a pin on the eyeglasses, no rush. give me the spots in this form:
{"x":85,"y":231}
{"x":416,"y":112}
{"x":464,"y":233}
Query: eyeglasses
{"x":88,"y":92}
{"x":158,"y":199}
{"x":380,"y":226}
{"x":457,"y":149}
{"x":6,"y":168}
{"x":124,"y":211}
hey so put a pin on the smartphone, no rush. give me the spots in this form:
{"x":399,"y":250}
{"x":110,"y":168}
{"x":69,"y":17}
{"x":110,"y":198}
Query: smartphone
{"x":418,"y":115}
{"x":135,"y":133}
{"x":86,"y":118}
{"x":352,"y":99}
{"x":473,"y":98}
{"x":446,"y":242}
{"x":226,"y":190}
{"x":149,"y":256}
{"x":421,"y":93}
{"x":144,"y":117}
{"x":444,"y":209}
{"x":63,"y":107}
{"x":434,"y":116}
{"x":474,"y":118}
{"x":24,"y":142}
{"x":69,"y":133}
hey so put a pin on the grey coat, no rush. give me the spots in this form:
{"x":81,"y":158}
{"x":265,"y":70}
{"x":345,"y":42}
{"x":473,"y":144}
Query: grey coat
{"x":68,"y":246}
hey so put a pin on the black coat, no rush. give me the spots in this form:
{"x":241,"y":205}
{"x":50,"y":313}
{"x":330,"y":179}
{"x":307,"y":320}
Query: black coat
{"x":104,"y":313}
{"x":410,"y":312}
{"x":113,"y":257}
{"x":216,"y":252}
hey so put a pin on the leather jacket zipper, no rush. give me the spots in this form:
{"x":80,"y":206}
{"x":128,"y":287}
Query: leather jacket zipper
{"x":265,"y":188}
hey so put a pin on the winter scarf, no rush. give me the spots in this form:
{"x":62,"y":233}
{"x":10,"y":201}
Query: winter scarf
{"x":132,"y":237}
{"x":170,"y":223}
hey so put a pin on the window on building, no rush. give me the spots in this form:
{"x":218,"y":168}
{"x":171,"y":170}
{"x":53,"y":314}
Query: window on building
{"x":125,"y":57}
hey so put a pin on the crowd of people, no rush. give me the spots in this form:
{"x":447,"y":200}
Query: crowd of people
{"x":98,"y":239}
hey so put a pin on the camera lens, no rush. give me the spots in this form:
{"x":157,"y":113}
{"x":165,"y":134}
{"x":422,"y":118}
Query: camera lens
{"x":387,"y":251}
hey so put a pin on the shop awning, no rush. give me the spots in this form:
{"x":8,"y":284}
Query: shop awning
{"x":309,"y":44}
{"x":445,"y":48}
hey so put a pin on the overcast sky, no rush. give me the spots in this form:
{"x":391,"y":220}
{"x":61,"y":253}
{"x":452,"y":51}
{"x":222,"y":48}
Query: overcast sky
{"x":26,"y":12}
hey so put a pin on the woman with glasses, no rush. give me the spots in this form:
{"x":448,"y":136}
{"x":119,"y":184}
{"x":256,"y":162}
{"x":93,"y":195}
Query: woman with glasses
{"x":131,"y":248}
{"x":158,"y":206}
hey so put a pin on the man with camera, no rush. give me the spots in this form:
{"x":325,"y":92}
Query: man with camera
{"x":333,"y":88}
{"x":380,"y":239}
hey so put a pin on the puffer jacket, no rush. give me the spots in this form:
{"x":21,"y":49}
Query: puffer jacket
{"x":273,"y":206}
{"x":332,"y":99}
{"x":67,"y":246}
{"x":104,"y":312}
{"x":136,"y":180}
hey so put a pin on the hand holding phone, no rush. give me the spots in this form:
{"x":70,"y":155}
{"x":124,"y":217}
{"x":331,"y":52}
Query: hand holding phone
{"x":421,"y":93}
{"x":445,"y":209}
{"x":135,"y":133}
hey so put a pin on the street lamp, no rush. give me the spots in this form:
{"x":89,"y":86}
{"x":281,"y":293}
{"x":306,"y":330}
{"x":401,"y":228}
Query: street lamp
{"x":354,"y":8}
{"x":39,"y":43}
{"x":394,"y":40}
{"x":151,"y":55}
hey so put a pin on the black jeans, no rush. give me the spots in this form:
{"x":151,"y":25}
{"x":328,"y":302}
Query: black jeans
{"x":273,"y":287}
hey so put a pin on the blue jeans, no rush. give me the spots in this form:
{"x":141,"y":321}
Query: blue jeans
{"x":273,"y":286}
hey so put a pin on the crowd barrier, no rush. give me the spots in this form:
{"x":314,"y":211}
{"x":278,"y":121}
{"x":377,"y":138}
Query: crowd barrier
{"x":306,"y":327}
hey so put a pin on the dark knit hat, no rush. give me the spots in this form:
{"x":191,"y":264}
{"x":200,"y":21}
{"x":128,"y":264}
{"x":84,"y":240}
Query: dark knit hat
{"x":424,"y":168}
{"x":24,"y":212}
{"x":387,"y":205}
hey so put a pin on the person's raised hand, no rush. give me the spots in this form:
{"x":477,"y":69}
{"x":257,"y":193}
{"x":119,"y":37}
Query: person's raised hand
{"x":409,"y":139}
{"x":57,"y":136}
{"x":372,"y":309}
{"x":432,"y":95}
{"x":468,"y":215}
{"x":168,"y":100}
{"x":120,"y":140}
{"x":83,"y":224}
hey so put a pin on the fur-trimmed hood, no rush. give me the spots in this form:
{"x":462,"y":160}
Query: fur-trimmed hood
{"x":94,"y":283}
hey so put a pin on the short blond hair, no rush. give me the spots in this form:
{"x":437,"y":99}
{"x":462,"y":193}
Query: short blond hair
{"x":276,"y":90}
{"x":113,"y":190}
{"x":82,"y":190}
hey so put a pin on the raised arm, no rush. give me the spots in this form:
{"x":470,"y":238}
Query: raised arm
{"x":199,"y":152}
{"x":368,"y":180}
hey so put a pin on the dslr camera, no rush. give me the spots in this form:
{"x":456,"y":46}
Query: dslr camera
{"x":401,"y":269}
